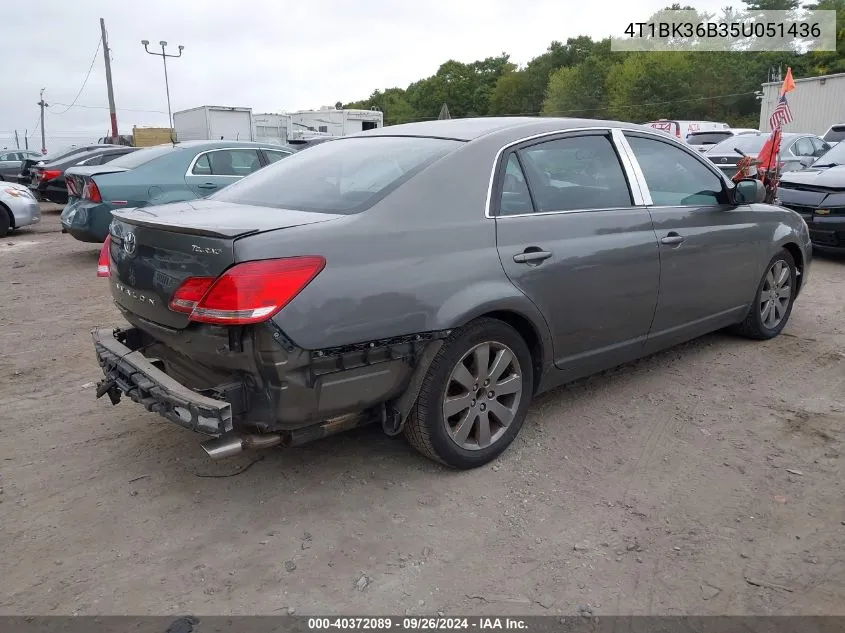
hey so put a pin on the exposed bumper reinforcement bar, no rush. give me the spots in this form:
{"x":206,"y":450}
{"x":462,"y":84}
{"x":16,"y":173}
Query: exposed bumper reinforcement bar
{"x":129,"y":372}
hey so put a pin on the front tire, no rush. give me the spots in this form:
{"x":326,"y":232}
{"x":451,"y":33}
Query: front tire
{"x":475,"y":396}
{"x":5,"y":221}
{"x":773,"y":300}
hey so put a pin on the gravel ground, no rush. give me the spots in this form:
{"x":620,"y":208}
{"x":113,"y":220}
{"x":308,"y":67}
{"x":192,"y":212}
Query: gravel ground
{"x":705,"y":480}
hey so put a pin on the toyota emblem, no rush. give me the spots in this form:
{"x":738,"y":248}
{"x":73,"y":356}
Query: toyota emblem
{"x":724,"y":160}
{"x":129,"y":244}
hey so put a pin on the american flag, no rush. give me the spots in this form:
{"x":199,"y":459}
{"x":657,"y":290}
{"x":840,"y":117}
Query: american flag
{"x":781,"y":115}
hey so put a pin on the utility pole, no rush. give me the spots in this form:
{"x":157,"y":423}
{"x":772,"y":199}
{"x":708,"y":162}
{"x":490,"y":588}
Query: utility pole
{"x":110,"y":88}
{"x":164,"y":57}
{"x":17,"y":142}
{"x":43,"y":140}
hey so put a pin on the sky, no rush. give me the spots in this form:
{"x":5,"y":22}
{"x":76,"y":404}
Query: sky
{"x":272,"y":56}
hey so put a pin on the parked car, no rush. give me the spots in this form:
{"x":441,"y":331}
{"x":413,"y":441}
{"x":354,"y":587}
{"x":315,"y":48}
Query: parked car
{"x":11,"y":161}
{"x":702,"y":141}
{"x":28,"y":167}
{"x":434,"y":277}
{"x":681,"y":129}
{"x":18,"y":207}
{"x":818,"y":194}
{"x":834,"y":134}
{"x":158,"y":175}
{"x":797,"y":151}
{"x":48,"y":180}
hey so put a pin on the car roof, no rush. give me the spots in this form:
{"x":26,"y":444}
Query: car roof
{"x":473,"y":128}
{"x":211,"y":144}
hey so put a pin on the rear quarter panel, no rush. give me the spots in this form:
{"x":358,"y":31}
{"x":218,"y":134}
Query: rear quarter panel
{"x":423,"y":259}
{"x":160,"y":181}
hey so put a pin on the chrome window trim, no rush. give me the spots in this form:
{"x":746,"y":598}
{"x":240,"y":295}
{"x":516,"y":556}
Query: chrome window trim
{"x":635,"y":169}
{"x":218,"y":149}
{"x":635,"y":189}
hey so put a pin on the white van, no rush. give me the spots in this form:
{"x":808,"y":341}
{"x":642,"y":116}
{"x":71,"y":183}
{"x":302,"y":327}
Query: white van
{"x":680,"y":129}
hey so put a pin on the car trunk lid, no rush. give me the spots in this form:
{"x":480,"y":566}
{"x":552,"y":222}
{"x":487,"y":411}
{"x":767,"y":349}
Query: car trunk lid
{"x":155,"y":249}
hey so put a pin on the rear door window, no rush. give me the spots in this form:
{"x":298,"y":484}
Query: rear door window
{"x":674,"y":177}
{"x":515,"y":199}
{"x":580,"y":172}
{"x":803,"y":147}
{"x":273,"y":155}
{"x":227,"y":162}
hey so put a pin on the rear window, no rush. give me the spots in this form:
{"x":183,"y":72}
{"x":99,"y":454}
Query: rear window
{"x":707,"y":138}
{"x":746,"y":143}
{"x":141,"y":156}
{"x":835,"y":134}
{"x":346,"y":176}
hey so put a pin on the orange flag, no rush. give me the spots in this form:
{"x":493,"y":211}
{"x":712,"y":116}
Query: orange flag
{"x":788,"y":82}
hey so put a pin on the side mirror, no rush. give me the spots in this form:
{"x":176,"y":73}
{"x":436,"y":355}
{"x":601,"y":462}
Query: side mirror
{"x":748,"y":191}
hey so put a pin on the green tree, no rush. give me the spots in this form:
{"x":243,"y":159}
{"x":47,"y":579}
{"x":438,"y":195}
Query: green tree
{"x":578,"y":91}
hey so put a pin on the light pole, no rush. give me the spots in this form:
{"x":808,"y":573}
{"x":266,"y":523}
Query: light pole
{"x":164,"y":57}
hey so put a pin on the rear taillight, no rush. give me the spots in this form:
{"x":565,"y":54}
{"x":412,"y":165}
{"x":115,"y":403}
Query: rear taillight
{"x":49,"y":174}
{"x":103,"y":262}
{"x":70,"y":182}
{"x":91,"y":192}
{"x":250,"y":292}
{"x":188,"y":295}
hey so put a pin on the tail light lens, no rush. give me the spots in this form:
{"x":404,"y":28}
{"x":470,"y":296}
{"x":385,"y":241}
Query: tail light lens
{"x":70,"y":182}
{"x":188,"y":295}
{"x":49,"y":174}
{"x":103,"y":262}
{"x":250,"y":292}
{"x":91,"y":192}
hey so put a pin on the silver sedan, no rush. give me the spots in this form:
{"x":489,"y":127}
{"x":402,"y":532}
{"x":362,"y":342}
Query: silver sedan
{"x":18,"y":207}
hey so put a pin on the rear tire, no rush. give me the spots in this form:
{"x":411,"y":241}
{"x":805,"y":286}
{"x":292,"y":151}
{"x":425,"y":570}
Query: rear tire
{"x":773,"y":299}
{"x":459,"y":419}
{"x":5,"y":221}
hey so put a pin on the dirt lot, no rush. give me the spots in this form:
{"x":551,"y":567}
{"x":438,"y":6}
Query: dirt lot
{"x":705,"y":480}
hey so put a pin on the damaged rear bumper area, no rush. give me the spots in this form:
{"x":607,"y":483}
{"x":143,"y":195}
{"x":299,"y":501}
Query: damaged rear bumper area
{"x":127,"y":371}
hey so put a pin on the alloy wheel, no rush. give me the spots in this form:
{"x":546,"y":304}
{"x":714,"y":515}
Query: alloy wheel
{"x":482,"y":395}
{"x":776,"y":294}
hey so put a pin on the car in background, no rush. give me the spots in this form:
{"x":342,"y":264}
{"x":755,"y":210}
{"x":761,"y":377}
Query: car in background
{"x":433,"y":278}
{"x":18,"y":207}
{"x":11,"y":162}
{"x":681,"y":129}
{"x":834,"y":134}
{"x":797,"y":151}
{"x":702,"y":141}
{"x":48,"y":180}
{"x":28,"y":166}
{"x":173,"y":172}
{"x":818,"y":194}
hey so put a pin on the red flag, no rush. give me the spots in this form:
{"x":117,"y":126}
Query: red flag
{"x":769,"y":152}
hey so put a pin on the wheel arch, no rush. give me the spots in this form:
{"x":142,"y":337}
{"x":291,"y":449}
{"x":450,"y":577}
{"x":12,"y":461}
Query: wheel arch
{"x":793,"y":249}
{"x":528,"y":331}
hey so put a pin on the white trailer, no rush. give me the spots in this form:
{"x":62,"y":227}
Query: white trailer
{"x":271,"y":128}
{"x":329,"y":121}
{"x":816,"y":104}
{"x":213,"y":123}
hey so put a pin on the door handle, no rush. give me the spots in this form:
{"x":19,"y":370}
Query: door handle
{"x":207,"y":185}
{"x":531,"y":256}
{"x":672,"y":238}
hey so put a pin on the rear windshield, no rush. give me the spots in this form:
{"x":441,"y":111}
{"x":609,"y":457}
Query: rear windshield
{"x":141,"y":156}
{"x":345,"y":176}
{"x":746,"y":143}
{"x":835,"y":134}
{"x":707,"y":138}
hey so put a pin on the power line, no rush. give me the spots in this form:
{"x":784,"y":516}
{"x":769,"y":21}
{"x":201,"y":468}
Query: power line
{"x":85,"y":81}
{"x":95,"y":107}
